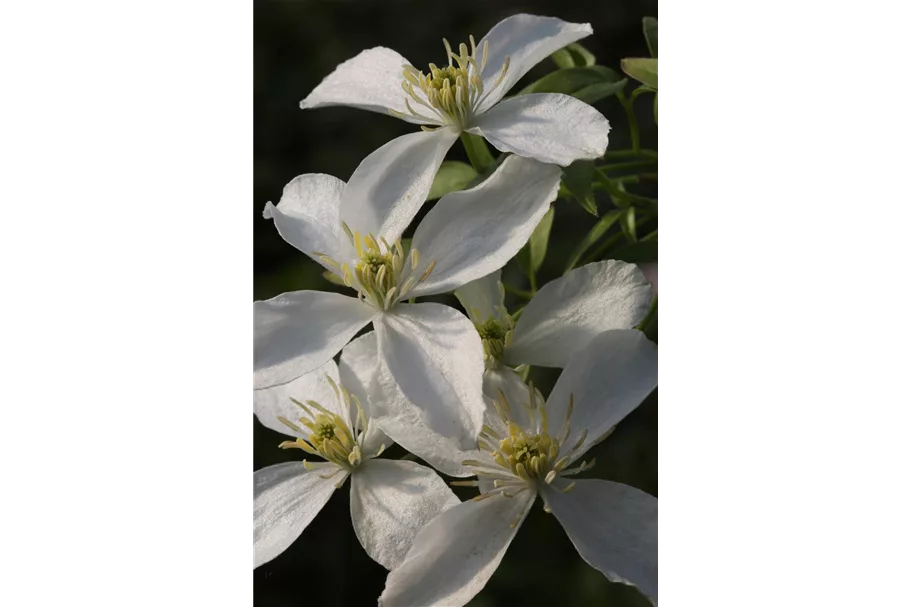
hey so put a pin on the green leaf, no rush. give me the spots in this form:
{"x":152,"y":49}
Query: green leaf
{"x":588,"y":84}
{"x":577,"y":178}
{"x":650,"y":29}
{"x":628,"y":224}
{"x":452,"y":176}
{"x":643,"y":70}
{"x":597,"y":231}
{"x":532,"y":254}
{"x":643,"y":251}
{"x":573,"y":55}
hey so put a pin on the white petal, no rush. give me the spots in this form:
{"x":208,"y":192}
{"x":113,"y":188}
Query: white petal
{"x":527,"y":40}
{"x":286,"y":497}
{"x":395,"y":418}
{"x":297,"y":332}
{"x":435,"y":356}
{"x":389,"y":186}
{"x":455,"y":554}
{"x":471,"y":233}
{"x":567,"y":312}
{"x":505,"y":381}
{"x":390,"y":502}
{"x":549,"y":127}
{"x":483,"y":298}
{"x":307,"y":215}
{"x":608,"y":378}
{"x":270,"y":403}
{"x":615,"y":529}
{"x":358,"y":369}
{"x":370,"y":81}
{"x":250,"y":359}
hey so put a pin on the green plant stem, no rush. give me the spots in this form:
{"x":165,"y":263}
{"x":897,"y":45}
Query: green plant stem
{"x":478,"y":153}
{"x":632,"y":164}
{"x":620,"y":154}
{"x":519,"y":292}
{"x":605,"y":246}
{"x":631,"y":117}
{"x":652,"y":311}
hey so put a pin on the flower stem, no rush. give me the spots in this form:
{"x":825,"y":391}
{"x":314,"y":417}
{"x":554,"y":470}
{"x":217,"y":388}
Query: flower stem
{"x":631,"y":117}
{"x":519,"y":292}
{"x":620,"y":154}
{"x":646,"y":163}
{"x":605,"y":246}
{"x":478,"y":153}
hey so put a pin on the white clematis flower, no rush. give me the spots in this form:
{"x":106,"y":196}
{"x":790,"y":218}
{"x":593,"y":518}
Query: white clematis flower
{"x":528,"y":451}
{"x":559,"y":320}
{"x":466,"y":95}
{"x":432,"y":351}
{"x":390,"y":499}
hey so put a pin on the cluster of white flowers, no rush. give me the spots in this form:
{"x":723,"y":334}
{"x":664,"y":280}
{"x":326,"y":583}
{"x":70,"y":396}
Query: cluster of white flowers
{"x":442,"y":385}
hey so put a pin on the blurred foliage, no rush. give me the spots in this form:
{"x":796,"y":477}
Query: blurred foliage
{"x":296,"y":44}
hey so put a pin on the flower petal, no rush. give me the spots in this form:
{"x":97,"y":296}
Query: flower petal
{"x":307,"y":215}
{"x":389,"y":186}
{"x":435,"y":356}
{"x":549,"y":127}
{"x":358,"y":368}
{"x":250,"y":358}
{"x":607,"y":379}
{"x":395,"y":417}
{"x":390,"y":502}
{"x":270,"y":403}
{"x":471,"y":233}
{"x":527,"y":40}
{"x":615,"y":529}
{"x":286,"y":497}
{"x":297,"y":332}
{"x":455,"y":554}
{"x":505,"y":381}
{"x":567,"y":312}
{"x":370,"y":81}
{"x":483,"y":298}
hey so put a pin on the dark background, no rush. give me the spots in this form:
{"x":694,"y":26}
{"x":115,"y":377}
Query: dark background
{"x":296,"y":44}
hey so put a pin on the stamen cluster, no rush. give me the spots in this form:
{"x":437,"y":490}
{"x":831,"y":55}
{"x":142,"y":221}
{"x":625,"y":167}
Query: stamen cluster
{"x":494,"y":336}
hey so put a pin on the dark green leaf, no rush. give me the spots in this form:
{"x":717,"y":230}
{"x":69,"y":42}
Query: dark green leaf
{"x":577,"y":178}
{"x":452,"y":176}
{"x":573,"y":55}
{"x":650,"y":29}
{"x":597,"y":231}
{"x":643,"y":251}
{"x":532,"y":254}
{"x":589,"y":84}
{"x":643,"y":70}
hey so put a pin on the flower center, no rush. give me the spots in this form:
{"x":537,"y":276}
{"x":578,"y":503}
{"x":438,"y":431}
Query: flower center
{"x":524,"y":458}
{"x":328,"y":434}
{"x":494,"y":335}
{"x":452,"y":93}
{"x":382,"y":274}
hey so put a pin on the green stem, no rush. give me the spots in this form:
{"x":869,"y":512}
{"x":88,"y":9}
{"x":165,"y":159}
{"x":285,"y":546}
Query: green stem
{"x":620,"y":154}
{"x":631,"y":117}
{"x":519,"y":292}
{"x":478,"y":152}
{"x":652,"y":311}
{"x":533,"y":282}
{"x":632,"y":164}
{"x":605,"y":246}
